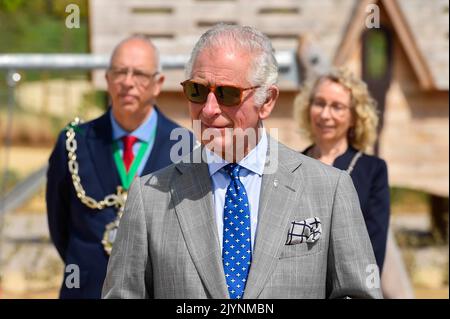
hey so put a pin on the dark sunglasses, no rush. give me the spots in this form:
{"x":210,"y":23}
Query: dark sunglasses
{"x":227,"y":95}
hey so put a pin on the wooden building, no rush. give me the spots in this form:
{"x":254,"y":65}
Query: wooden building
{"x":404,"y":59}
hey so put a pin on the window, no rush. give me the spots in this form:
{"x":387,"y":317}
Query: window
{"x":158,"y":10}
{"x":279,"y":10}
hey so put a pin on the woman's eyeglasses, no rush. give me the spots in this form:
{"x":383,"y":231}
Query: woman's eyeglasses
{"x":336,"y":109}
{"x":226,"y":95}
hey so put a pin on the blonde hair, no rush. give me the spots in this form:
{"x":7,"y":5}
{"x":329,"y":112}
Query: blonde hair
{"x":364,"y":108}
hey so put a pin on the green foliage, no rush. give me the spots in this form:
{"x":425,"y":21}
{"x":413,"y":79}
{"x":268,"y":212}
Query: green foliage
{"x":59,"y":8}
{"x":402,"y":194}
{"x":10,"y":5}
{"x":377,"y":54}
{"x":409,"y":200}
{"x":56,"y":8}
{"x":38,"y":26}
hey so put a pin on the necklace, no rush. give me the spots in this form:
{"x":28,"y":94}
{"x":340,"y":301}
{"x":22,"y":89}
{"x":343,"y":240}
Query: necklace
{"x":116,"y":200}
{"x":353,"y":162}
{"x":350,"y":167}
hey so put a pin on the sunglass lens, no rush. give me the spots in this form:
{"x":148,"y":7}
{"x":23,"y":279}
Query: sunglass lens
{"x":195,"y":92}
{"x":228,"y":95}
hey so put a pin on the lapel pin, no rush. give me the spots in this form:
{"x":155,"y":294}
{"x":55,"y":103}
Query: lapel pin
{"x":275,"y":182}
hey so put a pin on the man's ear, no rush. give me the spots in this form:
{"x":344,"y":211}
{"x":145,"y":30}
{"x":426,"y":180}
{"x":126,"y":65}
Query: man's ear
{"x":266,"y":108}
{"x":159,"y":81}
{"x":108,"y":82}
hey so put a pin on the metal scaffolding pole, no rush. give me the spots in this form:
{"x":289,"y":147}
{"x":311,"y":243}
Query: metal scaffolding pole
{"x":286,"y":61}
{"x":288,"y":69}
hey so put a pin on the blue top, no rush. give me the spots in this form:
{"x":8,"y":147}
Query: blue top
{"x":143,"y":133}
{"x":250,"y":175}
{"x":370,"y":178}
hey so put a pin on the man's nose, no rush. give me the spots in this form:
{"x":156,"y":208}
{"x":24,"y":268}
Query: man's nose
{"x":128,"y":81}
{"x":211,"y":107}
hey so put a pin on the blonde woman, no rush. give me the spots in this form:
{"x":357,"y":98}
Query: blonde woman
{"x":335,"y":111}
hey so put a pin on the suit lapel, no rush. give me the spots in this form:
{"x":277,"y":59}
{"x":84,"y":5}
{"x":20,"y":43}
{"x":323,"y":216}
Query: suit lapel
{"x":193,"y":201}
{"x":99,"y":141}
{"x":276,"y":204}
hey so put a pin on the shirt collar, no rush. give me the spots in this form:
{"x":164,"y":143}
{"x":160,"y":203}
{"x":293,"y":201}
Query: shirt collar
{"x":142,"y":132}
{"x":254,"y":161}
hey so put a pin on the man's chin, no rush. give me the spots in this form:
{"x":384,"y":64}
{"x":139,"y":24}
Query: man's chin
{"x":225,"y":149}
{"x":128,"y":108}
{"x":129,"y":105}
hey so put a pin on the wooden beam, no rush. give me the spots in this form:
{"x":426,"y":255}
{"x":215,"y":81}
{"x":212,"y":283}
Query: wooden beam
{"x":409,"y":44}
{"x":356,"y":26}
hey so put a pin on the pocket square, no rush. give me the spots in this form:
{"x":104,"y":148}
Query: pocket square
{"x":308,"y":230}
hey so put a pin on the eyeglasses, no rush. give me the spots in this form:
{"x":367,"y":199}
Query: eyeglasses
{"x":336,"y":109}
{"x":226,"y":95}
{"x":139,"y":77}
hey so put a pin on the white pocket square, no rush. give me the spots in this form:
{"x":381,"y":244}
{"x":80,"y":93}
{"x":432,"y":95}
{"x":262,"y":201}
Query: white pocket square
{"x":305,"y":231}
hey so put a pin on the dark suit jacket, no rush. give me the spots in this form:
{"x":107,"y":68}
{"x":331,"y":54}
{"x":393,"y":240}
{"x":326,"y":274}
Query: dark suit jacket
{"x":75,"y":229}
{"x":370,"y":177}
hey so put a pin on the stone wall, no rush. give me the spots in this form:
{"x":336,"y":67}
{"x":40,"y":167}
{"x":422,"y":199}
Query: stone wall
{"x":415,"y":140}
{"x":175,"y":25}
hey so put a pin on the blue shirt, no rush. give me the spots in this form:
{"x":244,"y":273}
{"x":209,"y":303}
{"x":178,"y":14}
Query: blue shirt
{"x":250,"y":175}
{"x":143,"y":134}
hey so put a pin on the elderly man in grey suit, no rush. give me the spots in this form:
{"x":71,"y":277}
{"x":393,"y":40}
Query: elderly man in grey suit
{"x":243,"y":216}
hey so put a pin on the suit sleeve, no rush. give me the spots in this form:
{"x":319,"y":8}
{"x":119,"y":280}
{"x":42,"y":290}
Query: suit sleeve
{"x":57,"y":197}
{"x":379,"y":212}
{"x":129,"y":273}
{"x":351,"y":269}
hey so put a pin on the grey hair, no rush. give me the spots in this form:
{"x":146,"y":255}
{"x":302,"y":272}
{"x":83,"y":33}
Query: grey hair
{"x":145,"y":40}
{"x":264,"y":68}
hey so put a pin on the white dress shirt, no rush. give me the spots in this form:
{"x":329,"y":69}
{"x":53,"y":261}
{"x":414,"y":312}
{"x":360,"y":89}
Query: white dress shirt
{"x":250,"y":175}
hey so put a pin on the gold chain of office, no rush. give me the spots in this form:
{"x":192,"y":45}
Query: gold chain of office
{"x":117,"y":200}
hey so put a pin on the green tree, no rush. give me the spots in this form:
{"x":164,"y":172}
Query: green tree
{"x":38,"y":26}
{"x":10,"y":5}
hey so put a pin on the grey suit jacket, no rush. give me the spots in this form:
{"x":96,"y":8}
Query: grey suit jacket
{"x":168,"y":247}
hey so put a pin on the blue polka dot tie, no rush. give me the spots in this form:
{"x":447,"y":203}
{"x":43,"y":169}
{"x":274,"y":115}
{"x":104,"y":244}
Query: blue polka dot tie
{"x":237,"y":248}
